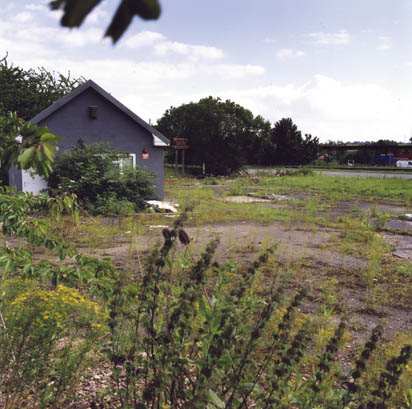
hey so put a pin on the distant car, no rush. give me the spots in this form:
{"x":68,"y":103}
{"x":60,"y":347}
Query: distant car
{"x":404,"y":164}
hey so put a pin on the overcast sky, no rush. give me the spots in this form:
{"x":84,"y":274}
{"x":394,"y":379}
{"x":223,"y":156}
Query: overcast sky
{"x":341,"y":69}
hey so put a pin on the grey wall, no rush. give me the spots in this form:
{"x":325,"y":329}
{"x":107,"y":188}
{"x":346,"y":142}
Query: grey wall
{"x":72,"y":122}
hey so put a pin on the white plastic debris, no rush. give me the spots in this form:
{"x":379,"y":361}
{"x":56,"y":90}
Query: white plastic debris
{"x":408,"y":216}
{"x":158,"y":226}
{"x":273,"y":196}
{"x":162,"y":207}
{"x":245,"y":199}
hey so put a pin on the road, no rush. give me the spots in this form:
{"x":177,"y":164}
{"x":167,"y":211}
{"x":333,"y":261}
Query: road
{"x":346,"y":174}
{"x":365,"y":174}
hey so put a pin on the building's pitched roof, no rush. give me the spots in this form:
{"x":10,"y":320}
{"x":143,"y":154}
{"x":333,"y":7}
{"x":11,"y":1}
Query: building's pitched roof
{"x":158,"y":138}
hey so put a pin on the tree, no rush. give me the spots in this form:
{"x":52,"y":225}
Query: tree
{"x":75,"y":11}
{"x":28,"y":92}
{"x":291,"y":148}
{"x":23,"y":94}
{"x":222,"y":134}
{"x":310,"y":148}
{"x":26,"y":146}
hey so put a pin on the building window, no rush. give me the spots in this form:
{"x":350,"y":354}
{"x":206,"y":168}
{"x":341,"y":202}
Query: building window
{"x":127,"y":161}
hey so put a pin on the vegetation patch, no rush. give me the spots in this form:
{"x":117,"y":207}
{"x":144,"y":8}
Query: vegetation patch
{"x":182,"y":330}
{"x":95,"y":174}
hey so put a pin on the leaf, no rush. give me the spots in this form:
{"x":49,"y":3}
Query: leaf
{"x":182,"y":262}
{"x":203,"y":309}
{"x":188,"y":393}
{"x":225,"y":360}
{"x":49,"y":150}
{"x":26,"y":157}
{"x":49,"y":137}
{"x":216,"y":322}
{"x":215,"y":399}
{"x":75,"y":11}
{"x":248,"y":387}
{"x":146,"y":9}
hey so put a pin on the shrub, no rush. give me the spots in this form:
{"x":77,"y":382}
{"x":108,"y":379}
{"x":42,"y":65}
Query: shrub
{"x":89,"y":171}
{"x":45,"y":340}
{"x":111,"y":206}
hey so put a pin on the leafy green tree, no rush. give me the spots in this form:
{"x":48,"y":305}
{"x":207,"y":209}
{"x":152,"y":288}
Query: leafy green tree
{"x":222,"y":134}
{"x":310,"y":148}
{"x":75,"y":11}
{"x":25,"y":146}
{"x":28,"y":92}
{"x":291,"y":148}
{"x":385,"y":142}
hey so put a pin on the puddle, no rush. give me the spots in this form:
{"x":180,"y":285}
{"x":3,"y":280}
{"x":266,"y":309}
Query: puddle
{"x":396,"y":224}
{"x":255,"y":199}
{"x":245,"y":199}
{"x":403,"y":245}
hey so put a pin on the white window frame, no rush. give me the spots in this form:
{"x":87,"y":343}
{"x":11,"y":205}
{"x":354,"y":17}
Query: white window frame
{"x":120,"y":161}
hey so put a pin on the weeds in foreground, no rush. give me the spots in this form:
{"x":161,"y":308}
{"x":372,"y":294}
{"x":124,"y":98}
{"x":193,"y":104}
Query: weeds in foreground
{"x":216,"y":341}
{"x":45,"y":342}
{"x":209,"y":338}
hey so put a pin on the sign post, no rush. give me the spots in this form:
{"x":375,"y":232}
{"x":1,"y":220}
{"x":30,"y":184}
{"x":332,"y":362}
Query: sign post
{"x":176,"y":160}
{"x":180,"y":144}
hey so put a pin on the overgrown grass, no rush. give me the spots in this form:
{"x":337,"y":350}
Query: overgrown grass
{"x":333,"y":187}
{"x":211,"y":207}
{"x":383,"y":280}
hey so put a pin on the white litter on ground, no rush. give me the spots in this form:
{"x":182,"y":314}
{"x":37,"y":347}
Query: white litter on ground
{"x":158,"y":226}
{"x":160,"y":206}
{"x":272,"y":196}
{"x":245,"y":199}
{"x":255,"y":199}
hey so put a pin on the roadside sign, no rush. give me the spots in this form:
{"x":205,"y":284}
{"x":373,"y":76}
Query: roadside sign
{"x":180,"y":143}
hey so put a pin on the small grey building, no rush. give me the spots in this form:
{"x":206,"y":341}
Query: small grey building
{"x":92,"y":114}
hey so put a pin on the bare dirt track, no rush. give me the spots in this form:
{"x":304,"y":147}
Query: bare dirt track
{"x":313,"y":258}
{"x":311,"y":254}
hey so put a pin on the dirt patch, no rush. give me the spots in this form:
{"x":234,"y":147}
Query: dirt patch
{"x":311,"y":253}
{"x":345,"y":207}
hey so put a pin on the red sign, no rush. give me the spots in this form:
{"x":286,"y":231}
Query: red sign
{"x":180,"y":143}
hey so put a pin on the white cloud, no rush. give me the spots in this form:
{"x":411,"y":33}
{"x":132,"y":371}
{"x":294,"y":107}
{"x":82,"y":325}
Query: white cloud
{"x":288,"y":53}
{"x":330,"y":109}
{"x":342,"y":37}
{"x":233,"y":71}
{"x":48,"y":39}
{"x":97,"y":14}
{"x":143,"y":39}
{"x":127,"y":73}
{"x":35,"y":7}
{"x":23,"y":17}
{"x":171,"y":73}
{"x":339,"y":101}
{"x":196,"y":51}
{"x":163,"y":47}
{"x":385,"y":43}
{"x":80,"y":38}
